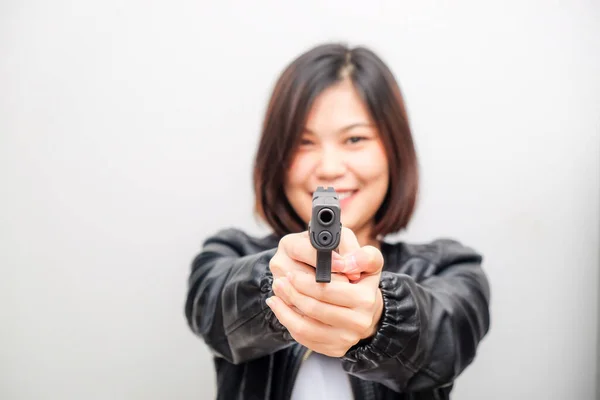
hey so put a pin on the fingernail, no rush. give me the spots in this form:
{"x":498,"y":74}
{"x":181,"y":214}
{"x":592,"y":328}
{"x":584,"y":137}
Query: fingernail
{"x":283,"y":285}
{"x":338,"y":265}
{"x":351,"y":264}
{"x":269,"y":302}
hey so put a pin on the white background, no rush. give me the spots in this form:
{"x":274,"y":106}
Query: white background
{"x":127,"y":131}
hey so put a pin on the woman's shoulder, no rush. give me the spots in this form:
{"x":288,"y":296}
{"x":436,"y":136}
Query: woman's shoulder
{"x":240,"y":240}
{"x":440,"y":252}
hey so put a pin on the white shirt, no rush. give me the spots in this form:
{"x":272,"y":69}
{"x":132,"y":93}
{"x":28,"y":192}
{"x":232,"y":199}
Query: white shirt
{"x":322,"y":378}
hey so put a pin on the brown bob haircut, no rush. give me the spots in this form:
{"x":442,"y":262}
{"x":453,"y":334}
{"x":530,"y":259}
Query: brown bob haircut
{"x":293,"y":95}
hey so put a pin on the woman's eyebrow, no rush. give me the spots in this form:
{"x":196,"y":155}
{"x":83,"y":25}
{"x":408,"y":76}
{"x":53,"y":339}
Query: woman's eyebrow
{"x":345,"y":128}
{"x":355,"y":125}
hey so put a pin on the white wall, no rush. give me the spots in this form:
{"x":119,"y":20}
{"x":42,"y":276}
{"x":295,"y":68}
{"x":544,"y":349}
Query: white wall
{"x":126,"y":130}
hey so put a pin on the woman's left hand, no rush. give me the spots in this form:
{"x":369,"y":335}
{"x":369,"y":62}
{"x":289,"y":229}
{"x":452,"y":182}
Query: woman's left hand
{"x":335,"y":315}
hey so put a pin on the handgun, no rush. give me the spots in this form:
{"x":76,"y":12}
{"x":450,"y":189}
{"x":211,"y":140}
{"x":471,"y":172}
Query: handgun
{"x":325,"y":229}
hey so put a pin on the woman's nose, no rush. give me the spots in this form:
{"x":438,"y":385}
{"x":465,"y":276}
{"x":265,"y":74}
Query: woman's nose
{"x":331,"y":164}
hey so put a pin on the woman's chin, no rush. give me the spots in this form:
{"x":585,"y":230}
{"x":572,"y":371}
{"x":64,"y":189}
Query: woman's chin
{"x":348,"y":223}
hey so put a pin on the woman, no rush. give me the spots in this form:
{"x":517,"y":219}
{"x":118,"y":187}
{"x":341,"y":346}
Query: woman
{"x":397,"y":320}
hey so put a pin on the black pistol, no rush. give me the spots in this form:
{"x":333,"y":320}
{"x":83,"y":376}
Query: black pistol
{"x":325,"y":229}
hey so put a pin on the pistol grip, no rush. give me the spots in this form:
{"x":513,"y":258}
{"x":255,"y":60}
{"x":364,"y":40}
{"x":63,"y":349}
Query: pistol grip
{"x":323,"y":273}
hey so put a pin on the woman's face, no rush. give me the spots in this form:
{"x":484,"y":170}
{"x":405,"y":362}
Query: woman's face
{"x":340,"y":147}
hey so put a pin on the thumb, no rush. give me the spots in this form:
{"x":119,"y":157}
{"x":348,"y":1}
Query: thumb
{"x":339,"y":265}
{"x":348,"y":244}
{"x":348,"y":241}
{"x":365,"y":260}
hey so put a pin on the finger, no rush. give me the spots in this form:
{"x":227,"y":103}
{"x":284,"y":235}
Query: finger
{"x":366,"y":260}
{"x":301,"y":328}
{"x":342,"y":265}
{"x":353,"y":277}
{"x":348,"y":242}
{"x":312,"y":334}
{"x":335,"y":292}
{"x":338,"y":263}
{"x":279,"y":292}
{"x":330,"y":350}
{"x":283,"y":296}
{"x":339,"y":277}
{"x":280,"y":264}
{"x":298,"y":247}
{"x":329,"y":314}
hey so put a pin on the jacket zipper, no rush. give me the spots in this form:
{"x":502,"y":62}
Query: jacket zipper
{"x":307,"y":353}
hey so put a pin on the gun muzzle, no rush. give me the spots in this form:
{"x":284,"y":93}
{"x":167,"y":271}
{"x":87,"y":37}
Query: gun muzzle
{"x":325,"y":229}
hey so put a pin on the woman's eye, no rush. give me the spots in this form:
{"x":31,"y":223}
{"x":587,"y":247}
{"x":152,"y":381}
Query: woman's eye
{"x":355,"y":139}
{"x":306,"y":142}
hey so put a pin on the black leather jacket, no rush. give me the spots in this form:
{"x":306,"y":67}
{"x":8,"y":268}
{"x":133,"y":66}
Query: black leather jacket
{"x":436,"y":311}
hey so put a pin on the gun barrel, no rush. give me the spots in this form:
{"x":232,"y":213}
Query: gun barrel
{"x":325,"y":229}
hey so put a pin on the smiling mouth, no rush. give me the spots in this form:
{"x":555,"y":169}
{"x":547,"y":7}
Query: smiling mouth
{"x":344,"y":194}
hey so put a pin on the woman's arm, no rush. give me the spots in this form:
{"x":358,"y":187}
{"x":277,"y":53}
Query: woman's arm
{"x":225,"y":304}
{"x":432,"y":322}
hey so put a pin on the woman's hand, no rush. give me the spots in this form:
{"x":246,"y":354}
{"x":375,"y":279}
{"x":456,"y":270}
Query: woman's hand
{"x":332,"y":317}
{"x":295,"y":254}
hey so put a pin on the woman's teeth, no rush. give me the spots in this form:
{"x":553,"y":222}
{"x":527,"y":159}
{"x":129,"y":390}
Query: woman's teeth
{"x":343,"y":195}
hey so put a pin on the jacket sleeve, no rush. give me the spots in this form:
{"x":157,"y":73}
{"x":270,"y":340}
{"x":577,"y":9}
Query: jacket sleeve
{"x":225,"y":302}
{"x":436,"y":312}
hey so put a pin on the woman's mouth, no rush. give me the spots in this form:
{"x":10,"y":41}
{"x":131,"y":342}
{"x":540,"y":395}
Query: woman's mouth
{"x":346,"y":194}
{"x":342,"y":195}
{"x":346,"y":197}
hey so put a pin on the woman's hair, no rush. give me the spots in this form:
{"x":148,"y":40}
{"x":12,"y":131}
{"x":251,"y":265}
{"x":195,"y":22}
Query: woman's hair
{"x":293,"y":95}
